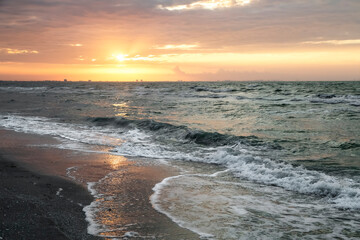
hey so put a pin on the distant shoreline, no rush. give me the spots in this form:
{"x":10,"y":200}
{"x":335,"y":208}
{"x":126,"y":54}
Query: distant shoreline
{"x":175,"y":81}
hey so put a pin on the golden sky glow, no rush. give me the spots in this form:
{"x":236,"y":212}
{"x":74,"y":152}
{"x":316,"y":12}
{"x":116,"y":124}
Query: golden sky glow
{"x":163,"y":40}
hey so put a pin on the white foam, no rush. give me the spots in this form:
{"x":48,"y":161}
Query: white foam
{"x":58,"y":192}
{"x":94,"y":228}
{"x":156,"y":203}
{"x":131,"y":234}
{"x":239,"y":211}
{"x":23,"y":89}
{"x":92,"y":189}
{"x":70,"y":172}
{"x":260,"y":170}
{"x":342,"y":192}
{"x":73,"y":132}
{"x":245,"y":210}
{"x":338,"y":191}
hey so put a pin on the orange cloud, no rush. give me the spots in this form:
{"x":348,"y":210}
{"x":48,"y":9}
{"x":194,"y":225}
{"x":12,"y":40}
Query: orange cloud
{"x":207,"y":4}
{"x":180,"y":46}
{"x":75,"y":45}
{"x":335,"y":42}
{"x":17,"y":51}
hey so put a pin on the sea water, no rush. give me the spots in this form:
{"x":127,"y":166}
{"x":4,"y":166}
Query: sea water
{"x":276,"y":160}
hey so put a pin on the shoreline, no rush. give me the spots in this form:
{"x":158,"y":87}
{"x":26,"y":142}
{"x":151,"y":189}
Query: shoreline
{"x":39,"y":176}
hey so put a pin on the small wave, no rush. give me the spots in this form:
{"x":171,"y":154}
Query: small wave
{"x":353,"y":100}
{"x":179,"y":132}
{"x":349,"y":145}
{"x":344,"y":193}
{"x":211,"y":96}
{"x":326,"y":96}
{"x":241,"y":97}
{"x":23,"y":89}
{"x":215,"y":202}
{"x":214,"y":90}
{"x":156,"y":203}
{"x":201,"y":89}
{"x":71,"y":132}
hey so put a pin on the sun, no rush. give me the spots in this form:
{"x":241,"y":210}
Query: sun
{"x":121,"y":57}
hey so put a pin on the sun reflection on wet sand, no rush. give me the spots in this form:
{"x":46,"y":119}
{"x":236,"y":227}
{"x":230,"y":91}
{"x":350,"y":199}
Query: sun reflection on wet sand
{"x":122,"y":198}
{"x":116,"y":162}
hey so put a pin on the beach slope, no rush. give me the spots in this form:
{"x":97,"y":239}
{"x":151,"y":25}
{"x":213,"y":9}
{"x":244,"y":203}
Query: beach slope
{"x":35,"y":206}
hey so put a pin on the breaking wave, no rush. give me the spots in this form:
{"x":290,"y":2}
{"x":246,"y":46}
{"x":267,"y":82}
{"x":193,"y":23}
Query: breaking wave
{"x":148,"y":138}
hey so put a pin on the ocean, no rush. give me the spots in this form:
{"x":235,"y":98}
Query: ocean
{"x":258,"y":160}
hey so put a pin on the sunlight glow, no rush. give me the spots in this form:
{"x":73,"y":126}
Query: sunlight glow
{"x":126,"y":57}
{"x":121,"y":57}
{"x":303,"y":58}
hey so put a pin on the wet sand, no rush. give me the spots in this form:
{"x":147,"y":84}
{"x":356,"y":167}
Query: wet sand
{"x":33,"y":207}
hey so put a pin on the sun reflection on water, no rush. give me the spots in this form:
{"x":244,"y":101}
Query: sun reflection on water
{"x":124,"y":110}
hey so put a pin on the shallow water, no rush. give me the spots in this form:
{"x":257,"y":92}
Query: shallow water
{"x":286,"y":154}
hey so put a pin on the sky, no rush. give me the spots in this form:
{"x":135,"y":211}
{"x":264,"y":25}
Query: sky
{"x":172,"y":40}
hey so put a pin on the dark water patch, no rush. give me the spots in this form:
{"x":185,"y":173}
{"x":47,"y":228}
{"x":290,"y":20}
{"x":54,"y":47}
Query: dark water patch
{"x":326,"y":96}
{"x":221,"y":103}
{"x":321,"y":101}
{"x":296,"y":100}
{"x":328,"y":166}
{"x":214,"y":90}
{"x":349,"y":145}
{"x":211,"y":96}
{"x":199,"y":89}
{"x":269,"y":99}
{"x":281,"y":105}
{"x":241,"y":97}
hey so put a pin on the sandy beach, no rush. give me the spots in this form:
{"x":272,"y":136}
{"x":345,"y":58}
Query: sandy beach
{"x":40,"y":200}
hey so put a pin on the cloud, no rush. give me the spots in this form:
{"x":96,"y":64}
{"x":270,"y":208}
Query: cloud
{"x":273,"y":74}
{"x":18,"y":51}
{"x":222,"y":75}
{"x":206,"y":4}
{"x":180,"y":46}
{"x":127,"y":58}
{"x":139,"y":27}
{"x":335,"y":42}
{"x":75,"y":45}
